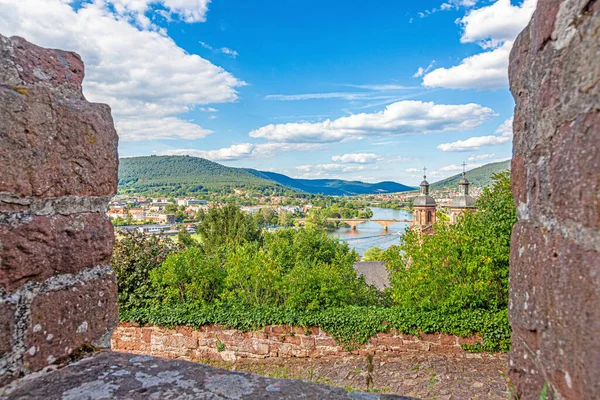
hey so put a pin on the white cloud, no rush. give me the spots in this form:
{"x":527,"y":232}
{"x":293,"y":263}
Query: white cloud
{"x":400,"y":118}
{"x":229,"y":52}
{"x":506,"y":128}
{"x":488,"y":70}
{"x":499,"y":22}
{"x":188,"y":10}
{"x":330,"y":95}
{"x":141,"y":73}
{"x":243,"y":151}
{"x":480,"y":157}
{"x":412,"y":170}
{"x":329,"y":168}
{"x":357,"y":158}
{"x":383,"y":87}
{"x":475,"y":143}
{"x":422,"y":71}
{"x":159,"y":128}
{"x":493,"y":27}
{"x":459,"y":167}
{"x":208,"y":109}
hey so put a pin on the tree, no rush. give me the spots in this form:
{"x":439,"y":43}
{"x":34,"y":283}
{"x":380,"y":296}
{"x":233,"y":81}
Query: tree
{"x":134,"y":256}
{"x":226,"y":226}
{"x":374,"y":254}
{"x":460,"y":266}
{"x":188,"y":277}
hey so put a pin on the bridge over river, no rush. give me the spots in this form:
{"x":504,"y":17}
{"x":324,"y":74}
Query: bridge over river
{"x":354,"y":222}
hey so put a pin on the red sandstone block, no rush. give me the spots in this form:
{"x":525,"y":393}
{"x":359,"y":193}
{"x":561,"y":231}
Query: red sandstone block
{"x":55,"y":146}
{"x":325,"y":341}
{"x":445,"y":349}
{"x":428,"y":337}
{"x":47,"y":246}
{"x":64,"y":320}
{"x":448,"y":340}
{"x":146,"y":335}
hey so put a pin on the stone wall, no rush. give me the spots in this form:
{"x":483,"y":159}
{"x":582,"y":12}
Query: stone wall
{"x":58,"y":163}
{"x":216,"y":343}
{"x":555,"y":255}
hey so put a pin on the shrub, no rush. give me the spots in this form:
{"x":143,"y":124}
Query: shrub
{"x":188,"y":277}
{"x":134,"y":256}
{"x":226,"y":226}
{"x":460,"y":266}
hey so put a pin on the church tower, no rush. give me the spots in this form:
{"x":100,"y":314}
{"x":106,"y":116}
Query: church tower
{"x":463,"y":202}
{"x":424,"y":207}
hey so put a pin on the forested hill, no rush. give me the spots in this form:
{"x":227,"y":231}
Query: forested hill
{"x":185,"y":175}
{"x":182,"y":175}
{"x":479,"y":177}
{"x":333,"y":187}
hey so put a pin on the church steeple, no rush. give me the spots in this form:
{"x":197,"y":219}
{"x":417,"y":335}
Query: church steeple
{"x":463,"y":184}
{"x":463,"y":202}
{"x":424,"y":207}
{"x":424,"y":185}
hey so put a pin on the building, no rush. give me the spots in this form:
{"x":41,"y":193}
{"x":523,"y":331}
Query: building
{"x":463,"y":202}
{"x":424,"y":207}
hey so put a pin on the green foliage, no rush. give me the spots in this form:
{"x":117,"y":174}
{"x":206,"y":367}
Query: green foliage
{"x":188,"y":277}
{"x":226,"y":226}
{"x":462,"y":266}
{"x":374,"y":254}
{"x":350,"y":325}
{"x":185,"y":239}
{"x":184,"y":175}
{"x":134,"y":257}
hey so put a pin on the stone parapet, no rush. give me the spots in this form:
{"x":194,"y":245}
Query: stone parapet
{"x":554,"y":306}
{"x":58,"y":163}
{"x":214,"y":342}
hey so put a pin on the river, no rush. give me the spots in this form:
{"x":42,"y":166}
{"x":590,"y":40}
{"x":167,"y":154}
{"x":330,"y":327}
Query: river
{"x":371,"y":234}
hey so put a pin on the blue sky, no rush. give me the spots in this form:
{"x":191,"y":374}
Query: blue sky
{"x":346,"y":89}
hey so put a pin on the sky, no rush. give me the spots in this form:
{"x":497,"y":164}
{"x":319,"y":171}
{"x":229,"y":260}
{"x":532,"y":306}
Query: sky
{"x":347,"y":89}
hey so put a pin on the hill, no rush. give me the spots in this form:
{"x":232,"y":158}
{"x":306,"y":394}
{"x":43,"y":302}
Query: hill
{"x":333,"y":187}
{"x":185,"y":175}
{"x":479,"y":177}
{"x":181,"y":175}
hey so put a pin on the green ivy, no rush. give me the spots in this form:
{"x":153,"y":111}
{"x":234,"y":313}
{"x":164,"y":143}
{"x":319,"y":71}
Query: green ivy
{"x":351,"y":325}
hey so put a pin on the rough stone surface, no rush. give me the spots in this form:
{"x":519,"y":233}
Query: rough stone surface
{"x":52,"y":141}
{"x":45,"y":246}
{"x":555,"y":254}
{"x":58,"y":163}
{"x":277,"y":341}
{"x":64,"y":319}
{"x":7,"y":315}
{"x":127,"y":376}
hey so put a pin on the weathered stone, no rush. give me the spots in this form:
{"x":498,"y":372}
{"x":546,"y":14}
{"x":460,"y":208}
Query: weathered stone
{"x":7,"y":319}
{"x":41,"y":247}
{"x":62,"y":321}
{"x":127,"y":376}
{"x":554,"y":305}
{"x":25,"y":64}
{"x":52,"y":147}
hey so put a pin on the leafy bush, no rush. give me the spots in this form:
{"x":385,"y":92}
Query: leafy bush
{"x":188,"y":277}
{"x":226,"y":226}
{"x":374,"y":254}
{"x":134,"y":256}
{"x":460,"y":266}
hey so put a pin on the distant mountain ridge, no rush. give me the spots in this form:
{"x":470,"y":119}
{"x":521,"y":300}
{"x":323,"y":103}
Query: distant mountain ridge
{"x":332,"y":187}
{"x":479,"y":177}
{"x":181,"y":175}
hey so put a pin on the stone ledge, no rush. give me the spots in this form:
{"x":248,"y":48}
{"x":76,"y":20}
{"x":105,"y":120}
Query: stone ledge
{"x":127,"y":376}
